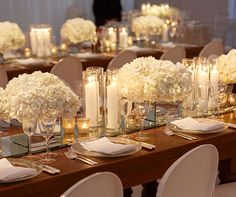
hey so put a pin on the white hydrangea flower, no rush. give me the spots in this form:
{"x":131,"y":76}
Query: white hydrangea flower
{"x":11,"y":37}
{"x":3,"y":105}
{"x":147,"y":24}
{"x":148,"y":79}
{"x":77,"y":30}
{"x":227,"y":67}
{"x":40,"y":95}
{"x":162,"y":11}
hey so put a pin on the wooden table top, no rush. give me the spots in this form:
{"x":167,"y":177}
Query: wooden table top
{"x":141,"y":167}
{"x":14,"y":70}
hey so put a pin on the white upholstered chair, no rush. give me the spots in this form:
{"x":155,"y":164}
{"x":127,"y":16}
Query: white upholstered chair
{"x":102,"y":184}
{"x":214,"y":47}
{"x":122,"y":58}
{"x":3,"y":77}
{"x":193,"y":174}
{"x":226,"y":190}
{"x":175,"y":54}
{"x":69,"y":70}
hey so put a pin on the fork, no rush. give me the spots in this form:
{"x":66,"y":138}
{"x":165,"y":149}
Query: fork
{"x":70,"y":154}
{"x":167,"y":131}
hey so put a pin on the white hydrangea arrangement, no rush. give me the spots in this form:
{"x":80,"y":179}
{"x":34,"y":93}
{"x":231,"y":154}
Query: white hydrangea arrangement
{"x":148,"y":79}
{"x":11,"y":37}
{"x":227,"y":67}
{"x":40,"y":95}
{"x":147,"y":24}
{"x":163,"y":11}
{"x":77,"y":30}
{"x":3,"y":105}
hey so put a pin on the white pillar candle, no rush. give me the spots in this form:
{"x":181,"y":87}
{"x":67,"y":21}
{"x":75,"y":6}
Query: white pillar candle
{"x":165,"y":35}
{"x":113,"y":106}
{"x":111,"y":35}
{"x":123,"y":38}
{"x":91,"y":102}
{"x":33,"y":41}
{"x":214,"y":77}
{"x":203,"y":77}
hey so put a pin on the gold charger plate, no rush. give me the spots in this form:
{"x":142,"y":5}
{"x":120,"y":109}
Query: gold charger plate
{"x":26,"y":164}
{"x":177,"y":129}
{"x":82,"y":151}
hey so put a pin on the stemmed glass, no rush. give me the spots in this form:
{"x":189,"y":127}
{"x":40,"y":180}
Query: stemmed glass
{"x":29,"y":127}
{"x":142,"y":111}
{"x":94,"y":41}
{"x":46,"y":126}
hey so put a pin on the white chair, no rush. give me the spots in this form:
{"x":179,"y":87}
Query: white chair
{"x":215,"y":47}
{"x":226,"y":190}
{"x":122,"y":58}
{"x":102,"y":184}
{"x":192,"y":175}
{"x":69,"y":70}
{"x":3,"y":77}
{"x":175,"y":54}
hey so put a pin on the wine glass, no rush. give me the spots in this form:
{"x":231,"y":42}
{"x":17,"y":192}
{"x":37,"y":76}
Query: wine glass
{"x":46,"y":126}
{"x":142,"y":111}
{"x":29,"y":127}
{"x":94,"y":41}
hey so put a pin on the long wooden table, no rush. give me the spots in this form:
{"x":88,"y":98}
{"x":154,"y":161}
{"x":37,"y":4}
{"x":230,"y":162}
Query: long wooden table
{"x":14,"y":70}
{"x":141,"y":167}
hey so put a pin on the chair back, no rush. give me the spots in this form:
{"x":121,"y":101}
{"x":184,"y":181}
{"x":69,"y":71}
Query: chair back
{"x":122,"y":58}
{"x":175,"y":54}
{"x":3,"y":77}
{"x":102,"y":184}
{"x":69,"y":70}
{"x":193,"y":174}
{"x":214,"y":47}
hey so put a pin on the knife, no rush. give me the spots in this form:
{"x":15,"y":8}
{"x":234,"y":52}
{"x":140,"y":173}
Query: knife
{"x":231,"y":125}
{"x":50,"y":169}
{"x":147,"y":145}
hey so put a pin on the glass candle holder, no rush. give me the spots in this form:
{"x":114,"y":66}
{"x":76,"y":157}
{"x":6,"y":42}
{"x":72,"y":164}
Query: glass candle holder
{"x":93,"y":102}
{"x":27,"y":52}
{"x":68,"y":125}
{"x":112,"y":116}
{"x":123,"y":38}
{"x":40,"y":40}
{"x":83,"y":124}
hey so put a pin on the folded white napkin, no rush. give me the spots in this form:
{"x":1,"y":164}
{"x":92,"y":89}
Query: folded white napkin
{"x":137,"y":49}
{"x":104,"y":145}
{"x":168,"y":44}
{"x":30,"y":61}
{"x":8,"y":172}
{"x":193,"y":124}
{"x":88,"y":55}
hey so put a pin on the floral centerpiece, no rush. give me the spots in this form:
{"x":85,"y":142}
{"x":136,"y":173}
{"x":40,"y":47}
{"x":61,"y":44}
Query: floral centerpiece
{"x":227,"y":68}
{"x":3,"y":105}
{"x":77,"y":30}
{"x":148,"y":79}
{"x":147,"y":25}
{"x":11,"y":37}
{"x":39,"y":95}
{"x":163,"y":11}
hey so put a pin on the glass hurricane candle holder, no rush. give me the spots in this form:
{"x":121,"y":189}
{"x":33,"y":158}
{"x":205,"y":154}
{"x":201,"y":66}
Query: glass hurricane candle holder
{"x":123,"y":38}
{"x":83,"y":124}
{"x":68,"y":125}
{"x":93,"y":102}
{"x":112,"y":115}
{"x":40,"y":40}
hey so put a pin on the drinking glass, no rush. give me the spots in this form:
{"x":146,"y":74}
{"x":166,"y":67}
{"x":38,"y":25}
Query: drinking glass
{"x":46,"y":126}
{"x":220,"y":94}
{"x":29,"y":127}
{"x":94,"y":41}
{"x":142,"y":111}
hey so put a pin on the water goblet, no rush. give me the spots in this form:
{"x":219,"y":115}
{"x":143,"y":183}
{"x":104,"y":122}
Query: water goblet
{"x":142,"y":111}
{"x":94,"y":41}
{"x":46,"y":126}
{"x":29,"y":127}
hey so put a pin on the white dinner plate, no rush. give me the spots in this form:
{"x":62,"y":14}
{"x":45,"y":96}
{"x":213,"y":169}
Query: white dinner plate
{"x":177,"y":129}
{"x":82,"y":151}
{"x":26,"y":164}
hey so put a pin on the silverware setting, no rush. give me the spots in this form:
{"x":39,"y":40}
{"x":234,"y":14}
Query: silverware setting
{"x":70,"y":154}
{"x":50,"y":169}
{"x":147,"y":145}
{"x":169,"y":132}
